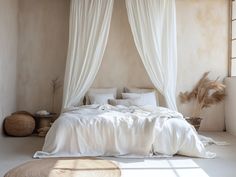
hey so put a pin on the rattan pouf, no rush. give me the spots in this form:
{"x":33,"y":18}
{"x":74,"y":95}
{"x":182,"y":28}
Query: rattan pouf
{"x":19,"y":124}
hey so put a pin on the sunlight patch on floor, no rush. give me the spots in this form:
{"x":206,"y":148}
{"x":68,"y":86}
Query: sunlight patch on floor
{"x":81,"y":167}
{"x":167,"y":168}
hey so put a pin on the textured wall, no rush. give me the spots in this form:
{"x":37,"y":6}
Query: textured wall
{"x":8,"y":57}
{"x":202,"y":46}
{"x":202,"y":27}
{"x":43,"y":40}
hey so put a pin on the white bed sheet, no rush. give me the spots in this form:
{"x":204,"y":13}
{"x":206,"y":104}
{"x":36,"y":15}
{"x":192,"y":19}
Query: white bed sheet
{"x":106,"y":130}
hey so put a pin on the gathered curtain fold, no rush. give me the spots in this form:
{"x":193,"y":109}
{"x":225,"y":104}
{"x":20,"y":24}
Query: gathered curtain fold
{"x":89,"y":29}
{"x":153,"y":25}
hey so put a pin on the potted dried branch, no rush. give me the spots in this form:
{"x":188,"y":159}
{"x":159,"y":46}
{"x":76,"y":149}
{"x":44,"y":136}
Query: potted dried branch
{"x":205,"y":94}
{"x":55,"y":85}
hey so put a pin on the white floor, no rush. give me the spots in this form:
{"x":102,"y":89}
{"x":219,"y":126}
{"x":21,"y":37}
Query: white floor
{"x":14,"y":151}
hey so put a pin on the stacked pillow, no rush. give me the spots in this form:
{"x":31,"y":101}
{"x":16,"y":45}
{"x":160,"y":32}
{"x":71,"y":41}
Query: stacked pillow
{"x":144,"y":96}
{"x":144,"y":99}
{"x":100,"y":95}
{"x":132,"y":96}
{"x":138,"y":90}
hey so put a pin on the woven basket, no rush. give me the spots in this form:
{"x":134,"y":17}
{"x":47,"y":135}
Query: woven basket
{"x":19,"y":124}
{"x":195,"y":121}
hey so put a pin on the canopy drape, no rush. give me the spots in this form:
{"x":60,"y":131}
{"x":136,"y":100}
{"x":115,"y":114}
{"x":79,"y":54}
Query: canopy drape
{"x":89,"y":28}
{"x":153,"y":25}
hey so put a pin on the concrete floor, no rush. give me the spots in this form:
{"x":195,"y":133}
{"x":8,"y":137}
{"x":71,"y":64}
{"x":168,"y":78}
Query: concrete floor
{"x":14,"y":151}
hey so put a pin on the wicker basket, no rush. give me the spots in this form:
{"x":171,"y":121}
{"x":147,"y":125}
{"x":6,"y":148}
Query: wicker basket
{"x":19,"y":124}
{"x":195,"y":121}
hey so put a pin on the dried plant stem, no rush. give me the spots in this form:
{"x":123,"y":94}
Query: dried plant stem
{"x":197,"y":109}
{"x":205,"y":94}
{"x":53,"y":100}
{"x":56,"y":84}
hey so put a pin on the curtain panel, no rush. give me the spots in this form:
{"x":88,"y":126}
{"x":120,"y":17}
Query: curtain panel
{"x":153,"y":25}
{"x":89,"y":28}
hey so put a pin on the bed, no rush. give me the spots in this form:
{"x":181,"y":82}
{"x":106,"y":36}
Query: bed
{"x":122,"y":131}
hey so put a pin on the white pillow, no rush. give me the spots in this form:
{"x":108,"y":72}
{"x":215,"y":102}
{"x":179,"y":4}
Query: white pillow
{"x":138,"y":90}
{"x":99,"y":90}
{"x":100,"y":98}
{"x":145,"y":98}
{"x":142,"y":90}
{"x":124,"y":102}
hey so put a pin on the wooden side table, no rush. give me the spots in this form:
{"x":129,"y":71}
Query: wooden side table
{"x":44,"y":122}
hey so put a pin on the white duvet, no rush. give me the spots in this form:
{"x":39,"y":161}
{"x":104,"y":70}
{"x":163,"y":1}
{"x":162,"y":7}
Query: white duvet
{"x":121,"y":131}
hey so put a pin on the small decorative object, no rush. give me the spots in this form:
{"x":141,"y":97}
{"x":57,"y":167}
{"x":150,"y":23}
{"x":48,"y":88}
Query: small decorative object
{"x":205,"y":94}
{"x":42,"y":113}
{"x":19,"y":124}
{"x":56,"y":84}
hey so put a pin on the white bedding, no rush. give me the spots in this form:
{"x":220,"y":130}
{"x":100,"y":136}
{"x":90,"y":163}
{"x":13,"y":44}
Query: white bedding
{"x":106,"y":130}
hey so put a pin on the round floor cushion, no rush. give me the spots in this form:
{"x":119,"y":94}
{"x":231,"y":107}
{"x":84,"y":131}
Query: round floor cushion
{"x":66,"y":167}
{"x":19,"y":124}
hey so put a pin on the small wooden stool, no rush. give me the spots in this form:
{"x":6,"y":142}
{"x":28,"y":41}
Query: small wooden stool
{"x":44,"y":123}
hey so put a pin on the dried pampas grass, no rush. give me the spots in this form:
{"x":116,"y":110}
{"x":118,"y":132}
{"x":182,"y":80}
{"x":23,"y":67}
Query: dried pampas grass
{"x":206,"y":93}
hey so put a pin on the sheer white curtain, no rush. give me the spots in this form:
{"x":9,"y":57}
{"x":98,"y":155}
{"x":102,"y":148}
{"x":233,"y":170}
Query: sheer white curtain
{"x":153,"y":25}
{"x":89,"y":28}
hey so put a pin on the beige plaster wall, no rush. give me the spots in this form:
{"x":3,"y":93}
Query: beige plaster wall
{"x":43,"y":28}
{"x":8,"y":57}
{"x":202,"y":27}
{"x":43,"y":40}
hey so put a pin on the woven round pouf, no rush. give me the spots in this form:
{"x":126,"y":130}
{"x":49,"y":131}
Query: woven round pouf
{"x":19,"y":124}
{"x":66,"y":167}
